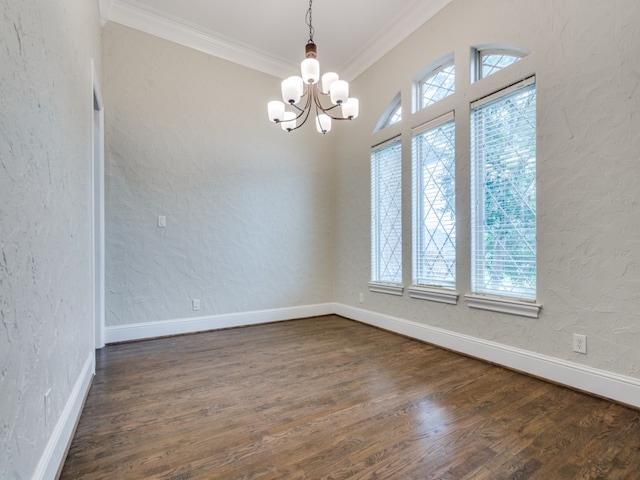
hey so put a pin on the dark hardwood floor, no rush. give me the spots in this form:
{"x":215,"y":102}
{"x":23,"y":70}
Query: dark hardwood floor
{"x":328,"y":398}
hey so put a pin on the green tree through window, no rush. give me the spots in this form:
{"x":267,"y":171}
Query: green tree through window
{"x":503,"y":155}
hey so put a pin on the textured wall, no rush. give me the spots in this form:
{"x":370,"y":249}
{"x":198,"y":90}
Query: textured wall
{"x":248,"y":207}
{"x":585,"y":57}
{"x":46,"y":330}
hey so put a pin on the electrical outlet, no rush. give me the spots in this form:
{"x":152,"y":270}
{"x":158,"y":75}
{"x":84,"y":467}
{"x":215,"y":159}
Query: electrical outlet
{"x":195,"y":304}
{"x":361,"y":298}
{"x":579,"y":343}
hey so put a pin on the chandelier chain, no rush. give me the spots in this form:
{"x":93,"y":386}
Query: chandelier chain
{"x":309,"y":20}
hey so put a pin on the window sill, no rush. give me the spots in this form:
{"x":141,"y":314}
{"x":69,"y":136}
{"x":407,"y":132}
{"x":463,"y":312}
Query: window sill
{"x":497,"y":304}
{"x":388,"y":288}
{"x":434,"y":295}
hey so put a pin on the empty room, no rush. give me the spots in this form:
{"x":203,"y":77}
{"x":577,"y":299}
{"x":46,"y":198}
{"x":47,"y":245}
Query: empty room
{"x":326,"y":239}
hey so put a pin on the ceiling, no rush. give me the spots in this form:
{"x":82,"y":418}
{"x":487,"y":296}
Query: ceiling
{"x":270,"y":35}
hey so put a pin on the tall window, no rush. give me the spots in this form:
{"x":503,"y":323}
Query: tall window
{"x":386,"y":212}
{"x":434,"y":230}
{"x":503,"y":184}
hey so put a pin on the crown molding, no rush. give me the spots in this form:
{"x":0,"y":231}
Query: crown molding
{"x":104,"y":6}
{"x":163,"y":26}
{"x":407,"y":22}
{"x":182,"y":33}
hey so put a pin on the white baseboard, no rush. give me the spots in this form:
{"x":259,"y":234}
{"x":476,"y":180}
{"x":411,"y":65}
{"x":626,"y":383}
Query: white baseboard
{"x":139,"y":331}
{"x":616,"y":387}
{"x":55,"y":452}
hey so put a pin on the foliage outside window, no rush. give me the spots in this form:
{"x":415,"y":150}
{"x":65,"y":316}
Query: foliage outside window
{"x":386,"y":212}
{"x":503,"y":158}
{"x":434,"y":232}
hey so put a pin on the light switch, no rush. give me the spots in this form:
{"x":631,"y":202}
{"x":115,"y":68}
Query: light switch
{"x":162,"y":221}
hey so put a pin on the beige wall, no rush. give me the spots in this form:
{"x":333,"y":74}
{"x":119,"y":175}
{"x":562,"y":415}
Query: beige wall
{"x":252,"y":222}
{"x":249,"y":208}
{"x":46,"y":316}
{"x":584,"y":56}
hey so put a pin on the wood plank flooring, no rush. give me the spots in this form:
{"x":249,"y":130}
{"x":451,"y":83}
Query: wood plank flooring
{"x":328,"y":398}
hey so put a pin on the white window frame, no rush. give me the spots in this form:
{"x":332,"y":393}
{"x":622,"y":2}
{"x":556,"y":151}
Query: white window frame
{"x":379,"y":283}
{"x":434,"y":289}
{"x":500,"y":302}
{"x":428,"y":72}
{"x":389,"y":113}
{"x":479,"y":52}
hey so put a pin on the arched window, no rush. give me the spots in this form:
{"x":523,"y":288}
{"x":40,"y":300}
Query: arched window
{"x":395,"y":116}
{"x":437,"y":83}
{"x":392,"y":114}
{"x":490,"y":60}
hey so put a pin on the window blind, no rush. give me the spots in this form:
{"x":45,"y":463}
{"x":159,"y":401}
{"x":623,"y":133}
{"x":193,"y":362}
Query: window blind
{"x":503,"y":157}
{"x":434,"y":232}
{"x":386,"y":212}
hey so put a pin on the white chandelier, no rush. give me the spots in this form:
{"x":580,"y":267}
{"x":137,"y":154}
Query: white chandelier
{"x":293,"y":92}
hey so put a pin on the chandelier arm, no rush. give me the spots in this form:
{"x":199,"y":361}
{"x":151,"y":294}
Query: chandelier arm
{"x":340,"y":118}
{"x":306,"y":109}
{"x":327,"y":110}
{"x":319,"y":124}
{"x":302,"y":110}
{"x":303,"y":121}
{"x":311,"y":94}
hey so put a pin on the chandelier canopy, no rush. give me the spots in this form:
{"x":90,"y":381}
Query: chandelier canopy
{"x":303,"y":101}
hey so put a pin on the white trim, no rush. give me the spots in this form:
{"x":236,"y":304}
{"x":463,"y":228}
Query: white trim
{"x":616,"y":387}
{"x":408,"y":21}
{"x":160,"y":25}
{"x":434,"y":294}
{"x":138,"y":331}
{"x":55,"y":452}
{"x":428,"y":71}
{"x":387,"y":288}
{"x":97,"y":208}
{"x":441,"y":120}
{"x":478,"y":51}
{"x":156,"y":23}
{"x":386,"y":143}
{"x":610,"y":385}
{"x":503,"y":305}
{"x":105,"y":10}
{"x":504,"y":91}
{"x":386,"y":114}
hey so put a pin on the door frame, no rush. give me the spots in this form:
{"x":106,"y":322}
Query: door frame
{"x":98,"y":211}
